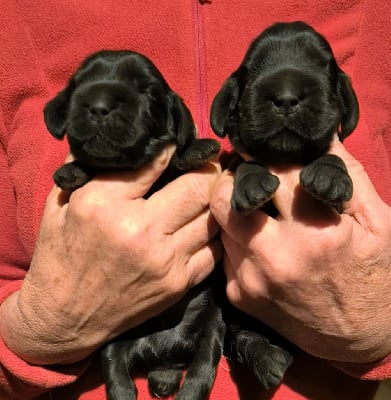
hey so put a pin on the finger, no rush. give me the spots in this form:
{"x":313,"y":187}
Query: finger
{"x":247,"y":286}
{"x":197,"y":232}
{"x":287,"y":191}
{"x":69,"y":158}
{"x":365,"y":205}
{"x":241,"y":227}
{"x":295,"y":204}
{"x":362,"y":185}
{"x":232,"y":287}
{"x":57,"y":198}
{"x":56,"y":202}
{"x":235,"y":291}
{"x":132,"y":185}
{"x":184,"y":198}
{"x":202,"y":262}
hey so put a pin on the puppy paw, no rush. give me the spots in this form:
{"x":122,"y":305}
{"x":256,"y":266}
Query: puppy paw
{"x":271,"y":365}
{"x":327,"y":179}
{"x":70,"y":177}
{"x":164,"y":382}
{"x":254,"y":185}
{"x":197,"y":154}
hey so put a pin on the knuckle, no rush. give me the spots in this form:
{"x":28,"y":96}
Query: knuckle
{"x":356,"y":167}
{"x":275,"y":266}
{"x":175,"y":286}
{"x":221,"y":199}
{"x":233,"y":292}
{"x":86,"y":205}
{"x":332,"y":238}
{"x":172,"y":281}
{"x":200,"y":188}
{"x":134,"y":234}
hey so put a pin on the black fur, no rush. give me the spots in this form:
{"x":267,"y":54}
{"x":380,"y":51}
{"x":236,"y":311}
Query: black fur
{"x":118,"y":112}
{"x":283,"y":105}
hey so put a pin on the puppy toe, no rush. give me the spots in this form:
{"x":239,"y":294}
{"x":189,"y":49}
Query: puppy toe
{"x":272,"y":365}
{"x":70,"y":177}
{"x":327,"y":179}
{"x":253,"y":192}
{"x":164,"y":382}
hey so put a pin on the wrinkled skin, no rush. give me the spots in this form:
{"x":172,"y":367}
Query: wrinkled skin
{"x":319,"y":278}
{"x":106,"y":260}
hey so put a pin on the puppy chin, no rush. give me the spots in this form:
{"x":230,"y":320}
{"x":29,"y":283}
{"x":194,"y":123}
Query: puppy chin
{"x":280,"y":147}
{"x":96,"y":152}
{"x":285,"y":141}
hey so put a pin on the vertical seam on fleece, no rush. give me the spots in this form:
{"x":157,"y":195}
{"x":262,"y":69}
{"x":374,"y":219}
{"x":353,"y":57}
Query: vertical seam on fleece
{"x":44,"y":88}
{"x":200,"y":62}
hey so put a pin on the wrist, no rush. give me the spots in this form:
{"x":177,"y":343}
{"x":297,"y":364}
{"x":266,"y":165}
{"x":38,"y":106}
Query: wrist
{"x":35,"y":336}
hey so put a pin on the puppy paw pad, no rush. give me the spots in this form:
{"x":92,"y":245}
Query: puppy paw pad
{"x":253,"y":191}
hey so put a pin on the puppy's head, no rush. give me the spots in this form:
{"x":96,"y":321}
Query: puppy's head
{"x":287,"y":98}
{"x":118,"y":111}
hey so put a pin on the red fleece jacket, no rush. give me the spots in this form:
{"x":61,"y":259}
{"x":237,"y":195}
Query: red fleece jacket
{"x":196,"y":47}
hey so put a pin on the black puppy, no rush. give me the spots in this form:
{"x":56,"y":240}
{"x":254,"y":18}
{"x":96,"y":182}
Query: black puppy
{"x":118,"y":112}
{"x":283,"y":105}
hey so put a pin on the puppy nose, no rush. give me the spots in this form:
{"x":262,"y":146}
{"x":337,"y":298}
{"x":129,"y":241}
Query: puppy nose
{"x":100,"y":108}
{"x":286,"y":103}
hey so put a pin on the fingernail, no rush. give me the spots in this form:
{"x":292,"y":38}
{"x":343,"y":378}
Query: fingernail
{"x":166,"y":154}
{"x":69,"y":158}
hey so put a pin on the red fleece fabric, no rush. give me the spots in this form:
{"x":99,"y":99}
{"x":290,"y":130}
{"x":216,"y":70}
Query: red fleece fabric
{"x":196,"y":47}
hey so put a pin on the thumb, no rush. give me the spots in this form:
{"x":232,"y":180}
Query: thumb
{"x":135,"y":184}
{"x":123,"y":184}
{"x":365,"y":205}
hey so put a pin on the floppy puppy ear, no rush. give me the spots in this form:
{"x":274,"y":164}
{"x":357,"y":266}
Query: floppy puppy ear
{"x":349,"y":103}
{"x":225,"y":103}
{"x":55,"y":112}
{"x":180,"y":121}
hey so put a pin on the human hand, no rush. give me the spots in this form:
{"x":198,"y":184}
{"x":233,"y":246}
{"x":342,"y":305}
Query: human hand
{"x":107,"y":259}
{"x":319,"y":278}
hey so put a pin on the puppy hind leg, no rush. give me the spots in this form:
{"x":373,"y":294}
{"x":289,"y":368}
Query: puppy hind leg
{"x":268,"y":362}
{"x":164,"y":382}
{"x":116,"y":358}
{"x":201,"y":373}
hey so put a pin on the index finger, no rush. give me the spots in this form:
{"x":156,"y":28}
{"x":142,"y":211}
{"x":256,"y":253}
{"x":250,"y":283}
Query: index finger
{"x":239,"y":226}
{"x":119,"y":184}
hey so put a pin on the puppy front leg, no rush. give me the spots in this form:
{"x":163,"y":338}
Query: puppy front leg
{"x":327,"y":178}
{"x":254,"y":185}
{"x":202,"y":371}
{"x":72,"y":176}
{"x":196,"y":155}
{"x":115,"y":358}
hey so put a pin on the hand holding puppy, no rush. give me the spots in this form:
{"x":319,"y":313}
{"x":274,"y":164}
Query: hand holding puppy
{"x":107,"y":260}
{"x":319,"y":278}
